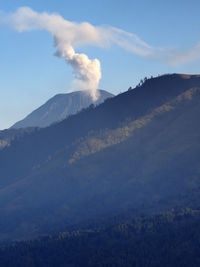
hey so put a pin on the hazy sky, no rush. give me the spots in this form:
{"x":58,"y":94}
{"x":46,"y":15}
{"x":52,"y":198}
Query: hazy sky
{"x":31,"y":74}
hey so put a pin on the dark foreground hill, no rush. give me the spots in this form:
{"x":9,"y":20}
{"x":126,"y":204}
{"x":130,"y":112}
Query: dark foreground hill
{"x":168,"y":239}
{"x":59,"y":107}
{"x":137,"y":151}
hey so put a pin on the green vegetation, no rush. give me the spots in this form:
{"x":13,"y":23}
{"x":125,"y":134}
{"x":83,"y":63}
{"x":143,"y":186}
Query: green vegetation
{"x":137,"y":151}
{"x":167,"y":239}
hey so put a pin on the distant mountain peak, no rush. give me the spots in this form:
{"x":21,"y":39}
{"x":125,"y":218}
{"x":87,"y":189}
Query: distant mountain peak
{"x":59,"y":107}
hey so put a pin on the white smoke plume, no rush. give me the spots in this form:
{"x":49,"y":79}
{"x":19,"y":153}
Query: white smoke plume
{"x":69,"y":36}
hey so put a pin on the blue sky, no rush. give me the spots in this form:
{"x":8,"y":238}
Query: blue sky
{"x":30,"y":74}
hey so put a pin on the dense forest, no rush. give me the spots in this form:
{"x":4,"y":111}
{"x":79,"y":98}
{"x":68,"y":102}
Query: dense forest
{"x":168,"y":239}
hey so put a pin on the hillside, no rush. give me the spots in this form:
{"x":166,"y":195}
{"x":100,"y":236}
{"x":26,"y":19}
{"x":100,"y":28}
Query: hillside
{"x":59,"y":107}
{"x":8,"y":135}
{"x":137,"y":151}
{"x":167,"y":239}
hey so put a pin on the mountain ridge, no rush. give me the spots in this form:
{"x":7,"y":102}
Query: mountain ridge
{"x":152,"y":170}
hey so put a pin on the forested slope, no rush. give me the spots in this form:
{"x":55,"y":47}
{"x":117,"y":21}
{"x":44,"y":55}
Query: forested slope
{"x":138,"y":151}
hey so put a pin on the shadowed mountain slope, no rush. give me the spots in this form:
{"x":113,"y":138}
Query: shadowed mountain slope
{"x":138,"y":151}
{"x":8,"y":135}
{"x":167,"y":239}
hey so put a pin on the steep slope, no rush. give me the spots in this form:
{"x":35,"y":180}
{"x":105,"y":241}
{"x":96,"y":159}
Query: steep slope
{"x":59,"y":107}
{"x":138,"y":151}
